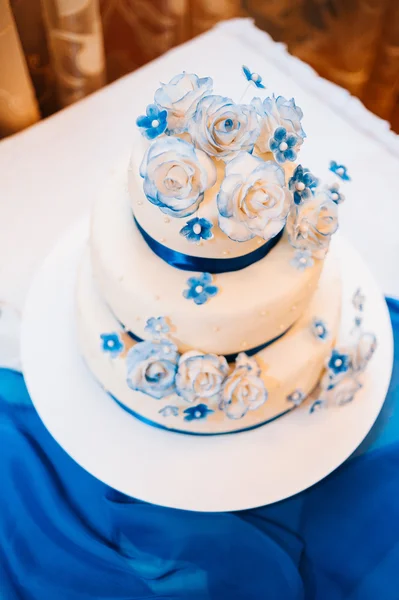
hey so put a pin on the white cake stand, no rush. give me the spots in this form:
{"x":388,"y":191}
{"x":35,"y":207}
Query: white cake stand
{"x":222,"y":473}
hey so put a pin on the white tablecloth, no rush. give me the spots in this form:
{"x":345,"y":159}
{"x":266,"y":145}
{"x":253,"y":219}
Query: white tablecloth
{"x":50,"y":174}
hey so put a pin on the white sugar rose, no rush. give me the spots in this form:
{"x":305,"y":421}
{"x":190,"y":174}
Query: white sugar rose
{"x":176,"y":176}
{"x":180,"y":98}
{"x":151,"y":368}
{"x":222,"y":128}
{"x":311,"y":224}
{"x":277,"y":113}
{"x":200,"y":375}
{"x":253,"y":199}
{"x":243,"y":390}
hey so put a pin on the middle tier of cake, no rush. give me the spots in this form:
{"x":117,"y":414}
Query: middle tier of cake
{"x":252,"y":306}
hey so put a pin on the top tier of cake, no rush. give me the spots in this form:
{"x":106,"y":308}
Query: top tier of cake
{"x":213,"y":182}
{"x":211,"y":178}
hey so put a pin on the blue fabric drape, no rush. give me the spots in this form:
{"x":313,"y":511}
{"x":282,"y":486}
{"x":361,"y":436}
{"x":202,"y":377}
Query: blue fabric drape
{"x":66,"y":536}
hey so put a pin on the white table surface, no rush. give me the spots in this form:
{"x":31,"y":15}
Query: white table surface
{"x":51,"y":173}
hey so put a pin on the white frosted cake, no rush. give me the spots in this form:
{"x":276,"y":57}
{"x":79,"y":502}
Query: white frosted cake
{"x":207,"y":300}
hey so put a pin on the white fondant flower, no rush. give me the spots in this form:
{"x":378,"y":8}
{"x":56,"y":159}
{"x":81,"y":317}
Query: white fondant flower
{"x":253,"y":199}
{"x":180,"y":98}
{"x":243,"y":390}
{"x":222,"y":128}
{"x":311,"y":224}
{"x":345,"y":390}
{"x":363,"y":351}
{"x":151,"y":368}
{"x":274,"y":113}
{"x":200,"y":375}
{"x":176,"y":176}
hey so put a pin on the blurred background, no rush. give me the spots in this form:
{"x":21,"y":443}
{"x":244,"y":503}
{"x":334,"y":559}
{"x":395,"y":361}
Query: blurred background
{"x":54,"y":52}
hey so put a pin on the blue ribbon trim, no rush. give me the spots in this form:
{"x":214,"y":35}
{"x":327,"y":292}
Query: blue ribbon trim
{"x":197,"y":433}
{"x":229,"y":357}
{"x":207,"y":265}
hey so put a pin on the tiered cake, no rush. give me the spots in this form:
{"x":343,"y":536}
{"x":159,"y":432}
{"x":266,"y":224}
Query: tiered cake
{"x":207,"y":303}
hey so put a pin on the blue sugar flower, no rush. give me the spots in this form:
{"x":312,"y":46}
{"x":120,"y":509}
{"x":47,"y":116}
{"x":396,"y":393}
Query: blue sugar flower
{"x":157,"y":327}
{"x":335,"y":195}
{"x":201,"y":411}
{"x":317,"y":405}
{"x":200,"y":289}
{"x":112,"y":343}
{"x":197,"y":229}
{"x":169,"y":411}
{"x":253,"y":77}
{"x":302,"y":260}
{"x":153,"y":123}
{"x":283,"y":145}
{"x":319,"y":329}
{"x":303,"y":184}
{"x":338,"y":363}
{"x":339,"y":170}
{"x":296,"y":397}
{"x":358,"y":300}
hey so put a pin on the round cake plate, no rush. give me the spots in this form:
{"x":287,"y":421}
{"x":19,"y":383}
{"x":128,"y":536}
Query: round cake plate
{"x":219,"y":473}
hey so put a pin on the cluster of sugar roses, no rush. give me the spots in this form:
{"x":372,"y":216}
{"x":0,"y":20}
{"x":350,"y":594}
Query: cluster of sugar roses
{"x":191,"y":128}
{"x":156,"y":368}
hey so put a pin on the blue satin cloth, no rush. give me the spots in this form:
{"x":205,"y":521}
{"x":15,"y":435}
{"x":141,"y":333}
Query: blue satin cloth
{"x":207,"y":265}
{"x":66,"y":536}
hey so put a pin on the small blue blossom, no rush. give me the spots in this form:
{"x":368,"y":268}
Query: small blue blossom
{"x":197,"y":229}
{"x":303,"y":184}
{"x":283,"y":145}
{"x":358,"y":300}
{"x":169,"y":411}
{"x":200,"y":289}
{"x":112,"y":343}
{"x":338,"y":362}
{"x":335,"y":195}
{"x":358,"y":321}
{"x":296,"y":397}
{"x":153,"y":123}
{"x":319,"y":329}
{"x":253,"y":77}
{"x":317,"y":405}
{"x":201,"y":411}
{"x":339,"y":170}
{"x":157,"y":327}
{"x":302,"y":260}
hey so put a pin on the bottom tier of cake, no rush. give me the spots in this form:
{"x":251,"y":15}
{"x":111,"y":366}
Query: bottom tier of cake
{"x":255,"y":392}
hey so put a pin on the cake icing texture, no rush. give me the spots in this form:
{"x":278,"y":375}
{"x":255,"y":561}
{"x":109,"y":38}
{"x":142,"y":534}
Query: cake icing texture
{"x":206,"y":301}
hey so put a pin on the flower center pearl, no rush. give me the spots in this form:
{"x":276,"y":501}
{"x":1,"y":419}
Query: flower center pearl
{"x":197,"y":228}
{"x":255,"y":77}
{"x":283,"y":146}
{"x":199,"y":289}
{"x":319,"y":329}
{"x":338,"y":362}
{"x":155,"y":123}
{"x":334,"y":196}
{"x":197,"y":414}
{"x":302,"y":260}
{"x":340,"y":171}
{"x":158,"y":327}
{"x":111,"y":343}
{"x":300,"y":186}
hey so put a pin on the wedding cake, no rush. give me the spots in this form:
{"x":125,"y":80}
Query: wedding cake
{"x":207,"y":300}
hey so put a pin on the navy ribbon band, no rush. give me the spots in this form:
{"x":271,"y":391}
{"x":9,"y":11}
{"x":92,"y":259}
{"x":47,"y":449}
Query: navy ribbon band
{"x":229,"y":357}
{"x":207,"y":265}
